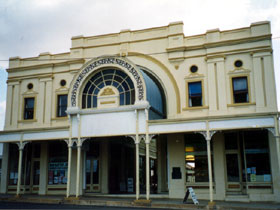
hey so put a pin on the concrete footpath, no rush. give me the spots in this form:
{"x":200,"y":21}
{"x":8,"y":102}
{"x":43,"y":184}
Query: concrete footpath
{"x":129,"y":202}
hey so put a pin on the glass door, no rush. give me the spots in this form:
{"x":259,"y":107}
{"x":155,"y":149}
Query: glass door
{"x":92,"y":175}
{"x":236,"y":177}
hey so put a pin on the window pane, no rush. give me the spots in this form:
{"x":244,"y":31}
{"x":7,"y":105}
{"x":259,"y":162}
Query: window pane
{"x":95,"y":171}
{"x":28,"y":108}
{"x":232,"y":168}
{"x":104,"y":78}
{"x":257,"y":156}
{"x":239,"y":83}
{"x":196,"y":158}
{"x":58,"y":163}
{"x":195,"y":88}
{"x":240,"y":90}
{"x":61,"y":105}
{"x":195,"y":94}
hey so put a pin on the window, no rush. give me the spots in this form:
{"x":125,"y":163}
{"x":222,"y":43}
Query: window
{"x":58,"y":163}
{"x":194,"y":69}
{"x":61,"y":105}
{"x":257,"y":156}
{"x":196,"y":158}
{"x":240,"y":90}
{"x":238,"y":63}
{"x":195,"y":94}
{"x":29,"y":108}
{"x":109,"y":77}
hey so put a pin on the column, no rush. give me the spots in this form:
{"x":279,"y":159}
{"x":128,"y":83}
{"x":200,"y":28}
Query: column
{"x":20,"y":147}
{"x":147,"y":141}
{"x":147,"y":167}
{"x":69,"y":144}
{"x":208,"y":135}
{"x":137,"y":168}
{"x":79,"y":145}
{"x":209,"y":169}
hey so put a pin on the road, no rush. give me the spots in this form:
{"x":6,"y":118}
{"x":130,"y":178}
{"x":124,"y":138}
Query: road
{"x":16,"y":205}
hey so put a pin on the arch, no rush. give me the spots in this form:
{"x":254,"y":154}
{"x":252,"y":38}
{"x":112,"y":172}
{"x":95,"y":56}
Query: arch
{"x":104,"y":62}
{"x":168,"y":73}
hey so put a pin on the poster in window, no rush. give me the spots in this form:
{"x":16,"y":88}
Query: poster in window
{"x":248,"y":170}
{"x":267,"y":178}
{"x":253,"y":178}
{"x":12,"y":175}
{"x":253,"y":170}
{"x":55,"y":180}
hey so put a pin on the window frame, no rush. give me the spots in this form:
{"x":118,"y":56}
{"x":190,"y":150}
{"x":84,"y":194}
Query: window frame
{"x":232,"y":89}
{"x":57,"y":104}
{"x":202,"y":95}
{"x":24,"y":108}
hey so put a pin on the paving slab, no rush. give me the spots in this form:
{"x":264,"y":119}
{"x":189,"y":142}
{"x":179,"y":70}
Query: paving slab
{"x":157,"y":203}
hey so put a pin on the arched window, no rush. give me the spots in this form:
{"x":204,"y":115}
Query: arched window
{"x":106,"y":78}
{"x":155,"y":96}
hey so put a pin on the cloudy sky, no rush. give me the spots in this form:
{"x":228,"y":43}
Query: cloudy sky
{"x":30,"y":27}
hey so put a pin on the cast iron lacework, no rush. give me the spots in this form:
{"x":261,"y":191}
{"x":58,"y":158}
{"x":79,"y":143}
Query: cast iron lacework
{"x":108,"y":77}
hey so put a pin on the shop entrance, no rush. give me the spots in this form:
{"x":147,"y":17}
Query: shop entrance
{"x":30,"y":176}
{"x":247,"y":161}
{"x":92,"y":166}
{"x":236,"y":177}
{"x":121,"y":166}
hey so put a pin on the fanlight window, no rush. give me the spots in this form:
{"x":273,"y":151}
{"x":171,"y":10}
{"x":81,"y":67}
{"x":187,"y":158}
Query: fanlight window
{"x":109,"y":77}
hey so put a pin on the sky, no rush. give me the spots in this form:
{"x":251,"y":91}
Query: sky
{"x":30,"y":27}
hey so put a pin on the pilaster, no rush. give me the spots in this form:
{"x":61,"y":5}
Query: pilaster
{"x":104,"y":167}
{"x":43,"y":169}
{"x":5,"y":165}
{"x":259,"y":82}
{"x":212,"y":88}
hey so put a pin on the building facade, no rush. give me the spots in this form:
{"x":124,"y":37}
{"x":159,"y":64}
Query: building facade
{"x":146,"y":113}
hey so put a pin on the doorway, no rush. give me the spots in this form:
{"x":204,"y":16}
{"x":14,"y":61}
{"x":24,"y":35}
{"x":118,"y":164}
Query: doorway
{"x":121,"y":166}
{"x":92,"y":166}
{"x":236,"y":177}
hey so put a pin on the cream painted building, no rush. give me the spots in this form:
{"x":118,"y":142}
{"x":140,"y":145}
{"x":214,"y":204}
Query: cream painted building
{"x":146,"y":113}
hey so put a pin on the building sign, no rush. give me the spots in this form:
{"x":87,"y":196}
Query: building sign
{"x":104,"y":61}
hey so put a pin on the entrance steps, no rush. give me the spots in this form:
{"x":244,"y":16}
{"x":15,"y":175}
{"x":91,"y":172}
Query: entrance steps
{"x":237,"y":198}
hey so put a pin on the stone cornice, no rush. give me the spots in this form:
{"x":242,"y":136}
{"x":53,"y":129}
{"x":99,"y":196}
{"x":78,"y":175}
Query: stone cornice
{"x":46,"y":65}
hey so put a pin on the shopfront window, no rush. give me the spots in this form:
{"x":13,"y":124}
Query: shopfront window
{"x":13,"y":164}
{"x":257,"y":156}
{"x":58,"y":163}
{"x":247,"y":156}
{"x":196,"y":158}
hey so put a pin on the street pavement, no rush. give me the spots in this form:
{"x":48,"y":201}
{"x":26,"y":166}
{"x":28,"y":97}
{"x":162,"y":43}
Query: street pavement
{"x":17,"y":205}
